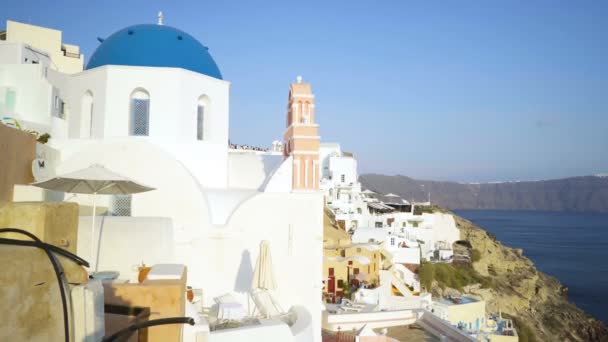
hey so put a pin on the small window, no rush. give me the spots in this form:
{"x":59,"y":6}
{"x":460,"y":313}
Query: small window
{"x":340,"y":283}
{"x":200,"y":115}
{"x":378,"y":224}
{"x":86,"y":115}
{"x":358,"y":250}
{"x":355,"y":271}
{"x":392,"y":241}
{"x":342,"y":177}
{"x":140,"y":113}
{"x":202,"y":118}
{"x":331,"y":271}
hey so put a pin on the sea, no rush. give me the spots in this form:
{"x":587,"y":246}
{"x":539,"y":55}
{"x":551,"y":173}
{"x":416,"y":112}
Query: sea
{"x":573,"y":247}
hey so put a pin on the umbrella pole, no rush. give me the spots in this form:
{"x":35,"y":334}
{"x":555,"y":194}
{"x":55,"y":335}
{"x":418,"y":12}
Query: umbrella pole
{"x":93,"y":258}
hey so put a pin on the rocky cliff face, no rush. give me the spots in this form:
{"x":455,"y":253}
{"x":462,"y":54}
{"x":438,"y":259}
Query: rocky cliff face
{"x":520,"y":290}
{"x":569,"y":194}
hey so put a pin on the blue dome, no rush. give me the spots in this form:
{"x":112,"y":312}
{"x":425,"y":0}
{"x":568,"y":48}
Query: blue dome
{"x":155,"y":46}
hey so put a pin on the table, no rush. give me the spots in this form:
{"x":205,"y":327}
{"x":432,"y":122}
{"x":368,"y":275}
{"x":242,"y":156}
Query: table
{"x":231,"y":311}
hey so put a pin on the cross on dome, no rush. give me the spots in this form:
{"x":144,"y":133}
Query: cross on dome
{"x":160,"y":17}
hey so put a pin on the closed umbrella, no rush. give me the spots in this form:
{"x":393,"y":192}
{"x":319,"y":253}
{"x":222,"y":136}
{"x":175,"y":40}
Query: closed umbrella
{"x":94,"y":180}
{"x":263,"y":275}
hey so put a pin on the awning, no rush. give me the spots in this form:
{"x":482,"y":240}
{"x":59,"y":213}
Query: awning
{"x":379,"y":206}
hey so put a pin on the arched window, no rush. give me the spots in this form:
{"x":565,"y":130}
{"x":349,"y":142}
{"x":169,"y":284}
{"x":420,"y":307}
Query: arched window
{"x":306,"y":113}
{"x":202,"y":118}
{"x":86,"y":115}
{"x":140,"y":113}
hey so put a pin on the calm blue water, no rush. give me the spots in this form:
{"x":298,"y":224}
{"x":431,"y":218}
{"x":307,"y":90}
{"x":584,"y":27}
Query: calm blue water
{"x":573,"y":247}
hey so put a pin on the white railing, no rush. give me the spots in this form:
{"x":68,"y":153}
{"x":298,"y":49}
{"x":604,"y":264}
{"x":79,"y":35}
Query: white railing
{"x":408,"y":277}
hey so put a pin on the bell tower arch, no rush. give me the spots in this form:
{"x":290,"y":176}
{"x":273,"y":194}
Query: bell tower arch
{"x":301,"y":138}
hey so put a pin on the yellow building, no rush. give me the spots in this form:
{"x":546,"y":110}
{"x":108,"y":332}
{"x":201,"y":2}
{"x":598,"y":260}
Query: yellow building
{"x":65,"y":58}
{"x":466,"y":313}
{"x":345,"y":262}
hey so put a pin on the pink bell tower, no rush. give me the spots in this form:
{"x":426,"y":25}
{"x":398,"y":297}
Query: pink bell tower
{"x":301,"y":138}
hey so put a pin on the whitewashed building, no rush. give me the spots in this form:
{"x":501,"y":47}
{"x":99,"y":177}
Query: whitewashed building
{"x":152,"y":105}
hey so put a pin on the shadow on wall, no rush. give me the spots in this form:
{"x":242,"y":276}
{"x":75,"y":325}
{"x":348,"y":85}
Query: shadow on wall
{"x":245,"y":275}
{"x":271,"y":165}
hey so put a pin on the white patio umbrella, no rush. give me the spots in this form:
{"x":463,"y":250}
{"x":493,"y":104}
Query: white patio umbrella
{"x":362,"y":276}
{"x":94,"y":180}
{"x":263,"y":275}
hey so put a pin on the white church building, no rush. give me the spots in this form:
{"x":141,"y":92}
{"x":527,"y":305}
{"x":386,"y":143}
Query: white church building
{"x":151,"y":104}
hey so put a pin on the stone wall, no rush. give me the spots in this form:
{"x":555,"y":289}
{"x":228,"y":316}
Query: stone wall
{"x":165,"y":298}
{"x":17,"y":151}
{"x":30,"y":301}
{"x":53,"y":223}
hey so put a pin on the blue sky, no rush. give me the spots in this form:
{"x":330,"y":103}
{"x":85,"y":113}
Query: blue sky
{"x":450,"y":90}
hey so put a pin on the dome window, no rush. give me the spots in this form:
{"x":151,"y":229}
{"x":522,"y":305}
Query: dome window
{"x":86,"y":115}
{"x":140,"y":113}
{"x":130,"y":32}
{"x":180,"y":38}
{"x":202,"y":118}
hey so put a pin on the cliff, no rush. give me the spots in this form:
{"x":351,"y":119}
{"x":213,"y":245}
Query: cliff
{"x":589,"y":193}
{"x":538,"y":302}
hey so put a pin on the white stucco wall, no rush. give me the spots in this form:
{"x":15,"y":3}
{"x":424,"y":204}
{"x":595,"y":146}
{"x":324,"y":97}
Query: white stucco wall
{"x":33,"y":93}
{"x":444,"y":228}
{"x":249,"y":170}
{"x":325,"y":151}
{"x":343,"y":166}
{"x":124,"y":243}
{"x":174,"y":95}
{"x":281,"y":179}
{"x":20,"y":53}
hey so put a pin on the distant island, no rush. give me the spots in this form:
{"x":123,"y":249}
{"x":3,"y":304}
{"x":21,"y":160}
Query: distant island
{"x":575,"y":194}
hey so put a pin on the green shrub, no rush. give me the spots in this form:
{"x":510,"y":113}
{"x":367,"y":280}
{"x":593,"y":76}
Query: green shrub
{"x":475,"y":255}
{"x":426,"y":275}
{"x":447,"y":275}
{"x":420,"y":209}
{"x":524,"y":332}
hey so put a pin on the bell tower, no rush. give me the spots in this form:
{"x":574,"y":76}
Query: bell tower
{"x":301,"y":138}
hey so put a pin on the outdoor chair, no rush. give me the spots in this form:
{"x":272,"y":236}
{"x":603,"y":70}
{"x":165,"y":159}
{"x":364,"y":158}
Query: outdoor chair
{"x":268,"y":306}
